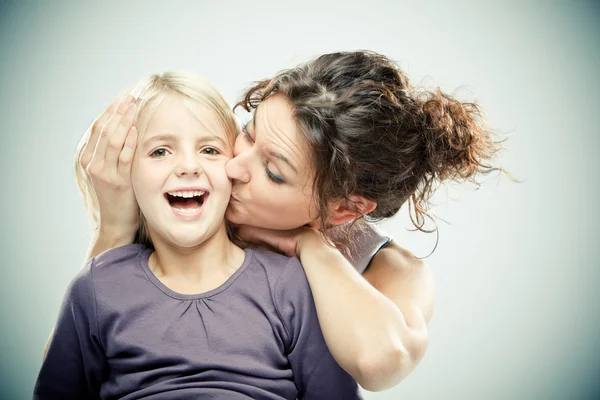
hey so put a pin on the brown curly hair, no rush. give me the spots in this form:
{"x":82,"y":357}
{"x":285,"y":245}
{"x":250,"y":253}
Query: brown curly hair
{"x":376,"y":136}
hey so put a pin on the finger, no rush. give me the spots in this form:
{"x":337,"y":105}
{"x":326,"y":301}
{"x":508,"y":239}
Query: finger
{"x":126,"y":156}
{"x":117,"y":139}
{"x":253,"y":234}
{"x":94,"y":132}
{"x":246,"y":233}
{"x":108,"y":129}
{"x":129,"y":97}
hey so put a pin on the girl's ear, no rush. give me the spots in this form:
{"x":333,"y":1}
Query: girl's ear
{"x":342,"y":211}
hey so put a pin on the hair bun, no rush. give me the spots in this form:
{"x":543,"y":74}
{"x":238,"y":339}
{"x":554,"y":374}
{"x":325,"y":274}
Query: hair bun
{"x":457,"y":141}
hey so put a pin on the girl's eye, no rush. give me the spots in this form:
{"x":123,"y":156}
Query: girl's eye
{"x":211,"y":151}
{"x":272,"y":177}
{"x":159,"y":153}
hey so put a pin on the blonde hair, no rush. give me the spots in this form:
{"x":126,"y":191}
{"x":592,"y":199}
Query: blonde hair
{"x":151,"y":91}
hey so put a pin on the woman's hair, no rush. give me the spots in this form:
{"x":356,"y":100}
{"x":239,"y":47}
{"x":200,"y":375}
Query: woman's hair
{"x":149,"y":93}
{"x":374,"y":135}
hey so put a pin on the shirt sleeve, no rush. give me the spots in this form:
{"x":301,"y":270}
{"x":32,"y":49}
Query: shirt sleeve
{"x":367,"y":241}
{"x":316,"y":373}
{"x":75,"y":365}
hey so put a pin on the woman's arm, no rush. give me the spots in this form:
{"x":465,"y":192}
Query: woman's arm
{"x":107,"y":238}
{"x":375,"y":325}
{"x":408,"y":283}
{"x":107,"y":158}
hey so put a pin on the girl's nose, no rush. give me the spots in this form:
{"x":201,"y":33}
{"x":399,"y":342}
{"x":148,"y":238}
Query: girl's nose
{"x":188,"y":166}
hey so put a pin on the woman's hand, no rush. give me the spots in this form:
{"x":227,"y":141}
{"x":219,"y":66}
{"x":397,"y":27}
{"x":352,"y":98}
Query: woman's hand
{"x":375,"y":328}
{"x":291,"y":243}
{"x":107,"y":159}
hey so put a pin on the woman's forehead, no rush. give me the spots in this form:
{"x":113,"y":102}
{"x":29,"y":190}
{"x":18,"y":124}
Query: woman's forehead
{"x":274,"y":121}
{"x":276,"y":118}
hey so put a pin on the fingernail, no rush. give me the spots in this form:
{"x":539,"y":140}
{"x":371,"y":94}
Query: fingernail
{"x":136,"y":92}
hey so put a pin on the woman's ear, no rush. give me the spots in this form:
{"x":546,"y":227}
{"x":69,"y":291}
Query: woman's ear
{"x":342,"y":211}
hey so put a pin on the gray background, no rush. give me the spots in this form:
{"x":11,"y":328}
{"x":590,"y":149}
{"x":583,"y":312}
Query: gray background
{"x":517,"y":263}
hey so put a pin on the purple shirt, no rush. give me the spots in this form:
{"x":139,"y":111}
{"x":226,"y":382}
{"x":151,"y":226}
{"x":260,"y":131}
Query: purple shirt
{"x":123,"y":334}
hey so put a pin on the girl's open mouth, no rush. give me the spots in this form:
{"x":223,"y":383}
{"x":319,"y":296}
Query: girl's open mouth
{"x":186,"y":202}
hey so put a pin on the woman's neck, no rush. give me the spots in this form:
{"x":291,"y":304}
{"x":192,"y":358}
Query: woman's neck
{"x":198,"y":269}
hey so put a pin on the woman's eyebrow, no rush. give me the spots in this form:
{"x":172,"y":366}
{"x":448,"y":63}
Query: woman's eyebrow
{"x":273,"y":153}
{"x":283,"y":158}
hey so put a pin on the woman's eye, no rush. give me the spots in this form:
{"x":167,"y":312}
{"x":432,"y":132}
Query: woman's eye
{"x":246,"y":134}
{"x":272,"y":177}
{"x":211,"y":151}
{"x":159,"y":153}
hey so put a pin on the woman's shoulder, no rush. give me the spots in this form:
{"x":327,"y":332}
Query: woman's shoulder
{"x":367,"y":240}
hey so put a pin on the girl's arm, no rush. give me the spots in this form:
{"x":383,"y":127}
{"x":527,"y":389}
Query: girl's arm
{"x":74,"y":366}
{"x":375,"y":325}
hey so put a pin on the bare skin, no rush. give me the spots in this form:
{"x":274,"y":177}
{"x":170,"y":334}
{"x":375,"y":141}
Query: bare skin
{"x":375,"y":325}
{"x":107,"y":159}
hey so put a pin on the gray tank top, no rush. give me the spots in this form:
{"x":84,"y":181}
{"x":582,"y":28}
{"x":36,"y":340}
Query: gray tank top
{"x":367,"y":240}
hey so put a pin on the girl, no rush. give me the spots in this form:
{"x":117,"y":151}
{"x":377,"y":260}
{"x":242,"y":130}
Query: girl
{"x":186,"y":313}
{"x":339,"y":138}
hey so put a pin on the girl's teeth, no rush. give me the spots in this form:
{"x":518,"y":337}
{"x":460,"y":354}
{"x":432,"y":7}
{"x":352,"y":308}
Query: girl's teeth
{"x":191,"y":193}
{"x":187,"y":210}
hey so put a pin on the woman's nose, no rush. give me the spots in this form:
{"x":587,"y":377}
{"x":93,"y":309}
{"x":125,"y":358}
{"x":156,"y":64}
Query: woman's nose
{"x":237,"y":168}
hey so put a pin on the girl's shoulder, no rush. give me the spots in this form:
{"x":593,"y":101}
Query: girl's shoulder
{"x":103,"y":274}
{"x":118,"y":256}
{"x":117,"y":266}
{"x":274,"y":264}
{"x":285,"y":274}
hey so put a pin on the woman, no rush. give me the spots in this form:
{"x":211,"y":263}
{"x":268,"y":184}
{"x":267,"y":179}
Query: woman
{"x":334,"y":140}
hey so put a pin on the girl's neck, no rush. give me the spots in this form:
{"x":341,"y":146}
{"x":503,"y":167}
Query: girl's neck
{"x":200,"y":268}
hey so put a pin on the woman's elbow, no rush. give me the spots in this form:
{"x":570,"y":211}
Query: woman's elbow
{"x":377,"y":372}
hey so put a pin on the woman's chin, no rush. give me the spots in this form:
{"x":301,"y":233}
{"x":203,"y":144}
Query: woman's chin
{"x":277,"y":222}
{"x":235,"y":217}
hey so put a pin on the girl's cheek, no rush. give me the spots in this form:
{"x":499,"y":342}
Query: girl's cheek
{"x":218,"y":169}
